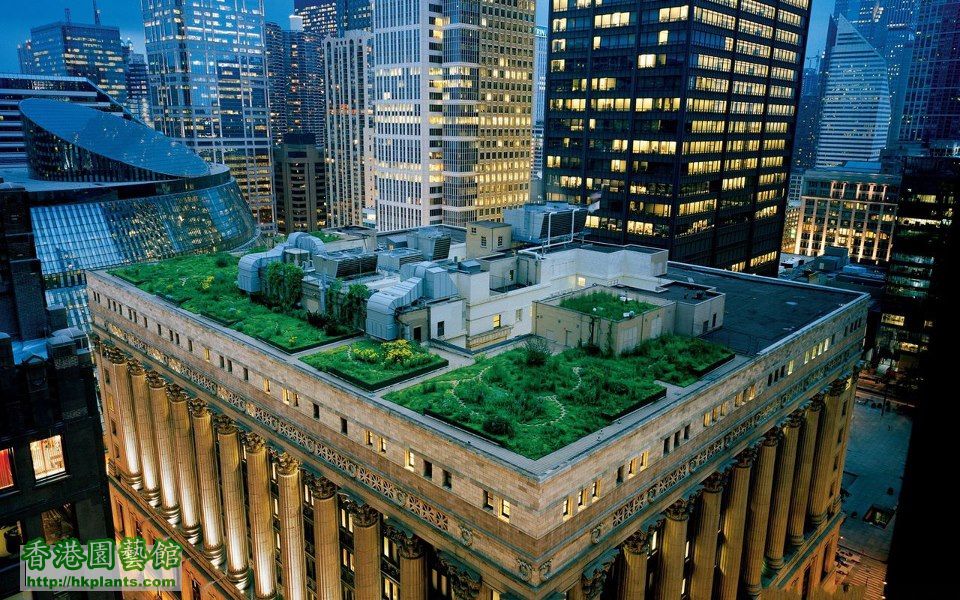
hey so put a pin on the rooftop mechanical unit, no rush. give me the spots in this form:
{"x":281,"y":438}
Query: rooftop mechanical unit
{"x":346,"y":263}
{"x":545,"y":223}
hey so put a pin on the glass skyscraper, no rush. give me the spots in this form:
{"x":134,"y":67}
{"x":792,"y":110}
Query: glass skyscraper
{"x":74,"y":49}
{"x":678,"y":118}
{"x":454,"y":90}
{"x":320,"y":17}
{"x":207,"y":68}
{"x":295,"y":74}
{"x":138,"y":86}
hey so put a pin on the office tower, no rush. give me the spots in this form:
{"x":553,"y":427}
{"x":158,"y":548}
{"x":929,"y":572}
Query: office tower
{"x":80,"y":164}
{"x":52,"y":481}
{"x":349,"y":98}
{"x":539,"y":92}
{"x":855,"y":113}
{"x":15,"y":88}
{"x":454,"y":93}
{"x":296,"y":73}
{"x":209,"y":88}
{"x":852,"y":207}
{"x":917,"y":277}
{"x":65,"y":48}
{"x":807,"y":128}
{"x":138,"y":85}
{"x":320,"y":17}
{"x":694,"y":162}
{"x":407,"y":494}
{"x":931,"y":110}
{"x":356,"y":15}
{"x":299,"y":179}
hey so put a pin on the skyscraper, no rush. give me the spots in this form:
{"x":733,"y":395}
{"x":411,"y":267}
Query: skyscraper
{"x":349,"y":122}
{"x":81,"y":50}
{"x":454,"y":91}
{"x":295,"y":76}
{"x":539,"y":92}
{"x":209,"y":87}
{"x":137,"y":83}
{"x":807,"y":128}
{"x":299,"y":180}
{"x":855,"y":113}
{"x":320,"y":17}
{"x":931,"y":110}
{"x":679,"y":120}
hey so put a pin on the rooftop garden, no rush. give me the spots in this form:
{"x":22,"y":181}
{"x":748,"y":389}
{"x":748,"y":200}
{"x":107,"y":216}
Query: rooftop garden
{"x":605,"y":305}
{"x":325,"y":237}
{"x":373,"y":365}
{"x":205,"y":284}
{"x":533,"y":403}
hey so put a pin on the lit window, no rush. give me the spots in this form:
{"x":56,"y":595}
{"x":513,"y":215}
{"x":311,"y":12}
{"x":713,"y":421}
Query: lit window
{"x":505,"y":509}
{"x":6,"y":468}
{"x":411,"y":459}
{"x":47,"y":457}
{"x":496,"y":320}
{"x":566,"y":507}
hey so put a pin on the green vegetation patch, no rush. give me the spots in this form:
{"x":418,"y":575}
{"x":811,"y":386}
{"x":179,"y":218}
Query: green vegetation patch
{"x":205,"y":284}
{"x":373,"y":365}
{"x":534,"y":404}
{"x":605,"y":305}
{"x":325,"y":237}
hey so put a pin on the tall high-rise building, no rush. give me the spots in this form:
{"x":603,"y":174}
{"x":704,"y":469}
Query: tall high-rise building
{"x":14,"y":88}
{"x":208,"y":85}
{"x":299,"y":179}
{"x":138,"y":84}
{"x":539,"y":93}
{"x":855,"y":104}
{"x":320,"y":17}
{"x":356,"y":15}
{"x":679,"y":121}
{"x":349,"y":121}
{"x":931,"y":110}
{"x":916,"y":276}
{"x":52,"y":481}
{"x":65,"y":48}
{"x":295,"y":75}
{"x":807,"y":128}
{"x":454,"y":92}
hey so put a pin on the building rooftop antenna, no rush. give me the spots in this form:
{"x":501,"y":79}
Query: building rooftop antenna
{"x":96,"y":13}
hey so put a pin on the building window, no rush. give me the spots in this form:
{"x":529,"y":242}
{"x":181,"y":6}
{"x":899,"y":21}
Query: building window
{"x":566,"y":507}
{"x":428,"y":469}
{"x":47,"y":457}
{"x":595,"y":490}
{"x":383,"y":445}
{"x":343,"y":426}
{"x":441,"y":328}
{"x":447,"y":479}
{"x":6,"y":468}
{"x":316,"y":411}
{"x":206,"y":354}
{"x":487,"y":500}
{"x":246,"y":374}
{"x":411,"y":460}
{"x":505,"y":510}
{"x":483,"y":241}
{"x":496,"y":320}
{"x":391,"y":590}
{"x":266,"y":385}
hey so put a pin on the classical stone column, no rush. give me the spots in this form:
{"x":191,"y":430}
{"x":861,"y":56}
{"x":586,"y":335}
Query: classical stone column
{"x":466,"y":584}
{"x":825,"y":453}
{"x":758,"y":513}
{"x":633,"y":576}
{"x":366,"y":549}
{"x":705,"y":542}
{"x":148,"y":443}
{"x":261,"y":516}
{"x":326,"y":540}
{"x":208,"y":482}
{"x":132,"y":474}
{"x":672,"y":551}
{"x":576,"y":592}
{"x":413,"y":565}
{"x":166,"y":451}
{"x":186,"y":461}
{"x":733,"y":524}
{"x":782,"y":492}
{"x":803,"y":470}
{"x":231,"y":478}
{"x":291,"y":528}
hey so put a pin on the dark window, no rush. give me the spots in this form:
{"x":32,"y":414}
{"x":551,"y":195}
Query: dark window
{"x":441,"y":328}
{"x":428,"y":469}
{"x":316,"y":411}
{"x":447,"y":479}
{"x":343,"y":426}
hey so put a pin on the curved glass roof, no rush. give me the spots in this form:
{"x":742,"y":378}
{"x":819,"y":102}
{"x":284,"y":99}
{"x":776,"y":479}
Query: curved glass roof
{"x":114,"y":138}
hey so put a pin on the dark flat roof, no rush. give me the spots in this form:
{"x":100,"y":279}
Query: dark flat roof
{"x":760,"y":311}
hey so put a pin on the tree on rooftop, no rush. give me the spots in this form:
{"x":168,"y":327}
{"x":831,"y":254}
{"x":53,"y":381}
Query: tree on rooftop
{"x":283,"y":287}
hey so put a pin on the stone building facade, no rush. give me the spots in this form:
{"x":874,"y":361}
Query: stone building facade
{"x":282,"y":480}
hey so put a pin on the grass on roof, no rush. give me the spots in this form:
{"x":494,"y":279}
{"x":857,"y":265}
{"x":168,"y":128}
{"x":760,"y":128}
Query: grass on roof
{"x":323,"y":236}
{"x":373,"y":365}
{"x":535,"y":409}
{"x":606,"y":305}
{"x":205,"y":284}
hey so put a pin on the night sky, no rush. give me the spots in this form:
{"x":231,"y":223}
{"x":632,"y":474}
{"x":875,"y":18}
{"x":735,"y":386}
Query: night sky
{"x":18,"y":16}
